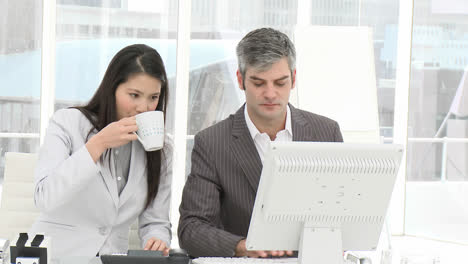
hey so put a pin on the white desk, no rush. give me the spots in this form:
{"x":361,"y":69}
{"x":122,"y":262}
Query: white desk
{"x":77,"y":260}
{"x":414,"y":250}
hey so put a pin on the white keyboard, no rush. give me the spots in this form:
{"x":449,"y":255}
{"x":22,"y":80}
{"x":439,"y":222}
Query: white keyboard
{"x":219,"y":260}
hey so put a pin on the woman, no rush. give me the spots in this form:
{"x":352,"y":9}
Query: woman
{"x":93,"y":178}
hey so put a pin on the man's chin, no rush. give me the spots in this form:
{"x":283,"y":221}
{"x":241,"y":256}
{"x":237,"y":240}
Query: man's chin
{"x":271,"y":116}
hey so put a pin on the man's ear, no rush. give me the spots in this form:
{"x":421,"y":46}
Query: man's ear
{"x":239,"y":80}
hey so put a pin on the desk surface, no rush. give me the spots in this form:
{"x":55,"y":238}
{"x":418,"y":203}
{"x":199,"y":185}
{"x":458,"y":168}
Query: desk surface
{"x":77,"y":260}
{"x":429,"y":249}
{"x":417,"y":250}
{"x":408,"y":249}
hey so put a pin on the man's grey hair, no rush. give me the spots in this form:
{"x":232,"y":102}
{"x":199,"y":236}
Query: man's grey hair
{"x":262,"y":47}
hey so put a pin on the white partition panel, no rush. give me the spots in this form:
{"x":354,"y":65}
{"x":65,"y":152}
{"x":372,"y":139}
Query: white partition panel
{"x":336,"y":78}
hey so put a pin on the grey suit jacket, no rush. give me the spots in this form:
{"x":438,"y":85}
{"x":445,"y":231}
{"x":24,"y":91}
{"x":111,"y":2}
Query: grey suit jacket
{"x":220,"y":191}
{"x":81,"y":209}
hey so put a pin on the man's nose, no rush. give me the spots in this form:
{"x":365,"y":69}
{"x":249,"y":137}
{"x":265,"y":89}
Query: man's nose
{"x":270,"y":91}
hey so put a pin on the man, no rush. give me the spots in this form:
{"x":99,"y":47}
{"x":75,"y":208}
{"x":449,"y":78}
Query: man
{"x":227,"y":158}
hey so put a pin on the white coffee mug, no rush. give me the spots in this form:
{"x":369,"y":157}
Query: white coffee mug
{"x":151,"y":130}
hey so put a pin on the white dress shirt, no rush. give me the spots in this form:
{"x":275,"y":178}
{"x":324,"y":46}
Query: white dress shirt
{"x":262,"y":140}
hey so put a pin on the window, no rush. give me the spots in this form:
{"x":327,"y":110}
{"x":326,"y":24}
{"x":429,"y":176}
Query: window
{"x":88,"y":52}
{"x":83,"y":30}
{"x":114,"y":32}
{"x":20,"y":71}
{"x":91,"y":3}
{"x":437,"y":167}
{"x":90,"y":32}
{"x":129,"y":32}
{"x":213,"y":90}
{"x":382,"y":16}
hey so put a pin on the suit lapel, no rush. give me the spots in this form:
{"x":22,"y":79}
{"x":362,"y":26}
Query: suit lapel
{"x":105,"y":170}
{"x":244,"y":150}
{"x":302,"y":130}
{"x":136,"y":172}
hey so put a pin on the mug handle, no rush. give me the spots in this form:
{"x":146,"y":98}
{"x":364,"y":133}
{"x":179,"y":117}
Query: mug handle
{"x":139,"y":138}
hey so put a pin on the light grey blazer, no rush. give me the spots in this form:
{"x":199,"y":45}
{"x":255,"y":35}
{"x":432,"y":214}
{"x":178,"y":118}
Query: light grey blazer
{"x":219,"y":193}
{"x":81,"y":209}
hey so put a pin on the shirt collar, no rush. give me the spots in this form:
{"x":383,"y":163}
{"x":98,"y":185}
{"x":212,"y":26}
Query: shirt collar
{"x":253,"y":129}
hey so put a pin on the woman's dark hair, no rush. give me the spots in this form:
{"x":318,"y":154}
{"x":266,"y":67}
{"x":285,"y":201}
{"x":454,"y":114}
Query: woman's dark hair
{"x":101,"y":109}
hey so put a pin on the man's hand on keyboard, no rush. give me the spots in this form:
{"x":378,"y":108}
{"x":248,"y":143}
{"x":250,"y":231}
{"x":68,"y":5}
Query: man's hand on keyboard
{"x":241,"y":251}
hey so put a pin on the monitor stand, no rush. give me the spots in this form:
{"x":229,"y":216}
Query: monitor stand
{"x":320,"y":245}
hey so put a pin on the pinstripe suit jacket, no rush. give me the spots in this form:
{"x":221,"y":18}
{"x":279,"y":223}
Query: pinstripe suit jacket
{"x":220,"y":191}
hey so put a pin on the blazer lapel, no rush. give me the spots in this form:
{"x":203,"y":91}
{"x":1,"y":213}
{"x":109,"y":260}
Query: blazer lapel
{"x":136,"y":172}
{"x":244,"y":150}
{"x":301,"y":129}
{"x":106,"y":173}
